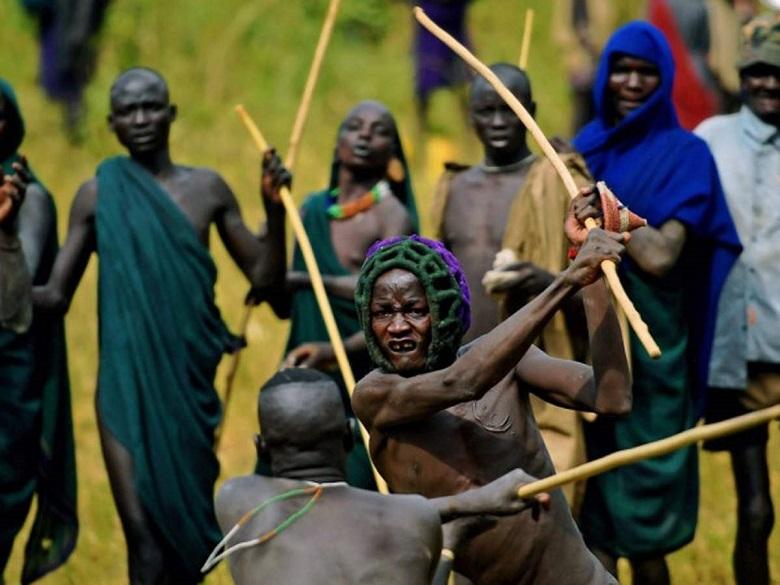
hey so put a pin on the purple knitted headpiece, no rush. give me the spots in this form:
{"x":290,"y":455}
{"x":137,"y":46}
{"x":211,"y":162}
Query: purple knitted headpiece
{"x":445,"y":287}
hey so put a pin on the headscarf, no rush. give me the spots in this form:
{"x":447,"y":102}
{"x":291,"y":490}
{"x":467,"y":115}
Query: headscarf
{"x":401,"y":189}
{"x":663,"y":172}
{"x":446,"y":289}
{"x":13,"y":135}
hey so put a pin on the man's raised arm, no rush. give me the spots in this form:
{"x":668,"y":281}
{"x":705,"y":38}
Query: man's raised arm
{"x":385,"y":400}
{"x":74,"y":255}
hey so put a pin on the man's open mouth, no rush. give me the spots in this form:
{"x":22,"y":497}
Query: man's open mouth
{"x":405,"y":346}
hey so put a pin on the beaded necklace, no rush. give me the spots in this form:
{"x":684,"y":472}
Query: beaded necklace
{"x":341,"y":211}
{"x":216,"y":555}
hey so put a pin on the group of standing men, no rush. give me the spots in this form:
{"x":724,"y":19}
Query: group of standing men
{"x":442,"y":418}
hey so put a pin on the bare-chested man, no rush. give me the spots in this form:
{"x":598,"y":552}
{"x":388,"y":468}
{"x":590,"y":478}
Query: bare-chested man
{"x":161,"y":335}
{"x":369,"y":197}
{"x":514,"y":200}
{"x":350,"y":535}
{"x":442,"y":423}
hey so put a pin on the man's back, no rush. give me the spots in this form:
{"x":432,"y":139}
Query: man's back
{"x":349,"y":536}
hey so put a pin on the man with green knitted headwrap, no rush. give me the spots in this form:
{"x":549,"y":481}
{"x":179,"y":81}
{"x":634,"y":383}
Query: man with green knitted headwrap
{"x":443,"y":418}
{"x":37,"y":456}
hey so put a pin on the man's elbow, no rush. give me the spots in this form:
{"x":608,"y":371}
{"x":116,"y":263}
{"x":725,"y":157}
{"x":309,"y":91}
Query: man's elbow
{"x":659,"y":265}
{"x":50,"y":301}
{"x":616,"y":407}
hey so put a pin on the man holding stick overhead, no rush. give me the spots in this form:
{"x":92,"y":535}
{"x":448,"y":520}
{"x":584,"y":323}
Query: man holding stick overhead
{"x":515,"y":203}
{"x":380,"y":539}
{"x":677,"y":266}
{"x":745,"y":366}
{"x":444,"y":419}
{"x":161,"y":335}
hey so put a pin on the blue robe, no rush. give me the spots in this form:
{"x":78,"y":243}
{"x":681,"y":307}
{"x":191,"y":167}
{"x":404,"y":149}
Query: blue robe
{"x":663,"y":173}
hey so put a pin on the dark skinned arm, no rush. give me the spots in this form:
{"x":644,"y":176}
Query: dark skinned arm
{"x":73,"y":257}
{"x":465,"y":514}
{"x":36,"y":221}
{"x":386,"y":400}
{"x":654,"y":250}
{"x":260,"y":257}
{"x":604,"y":388}
{"x":320,"y":354}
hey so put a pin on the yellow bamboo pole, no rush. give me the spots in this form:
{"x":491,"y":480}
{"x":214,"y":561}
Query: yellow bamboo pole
{"x":525,"y":47}
{"x":311,"y":82}
{"x":650,"y":450}
{"x":292,"y":155}
{"x":316,"y":282}
{"x":608,"y":267}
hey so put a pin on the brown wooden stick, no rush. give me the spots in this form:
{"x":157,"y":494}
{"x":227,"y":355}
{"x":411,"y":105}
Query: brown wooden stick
{"x":316,"y":281}
{"x":650,"y":450}
{"x":640,"y":328}
{"x":292,"y":155}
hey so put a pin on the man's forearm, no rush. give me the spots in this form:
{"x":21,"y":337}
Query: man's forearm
{"x":271,"y":258}
{"x":496,"y":353}
{"x":612,"y":380}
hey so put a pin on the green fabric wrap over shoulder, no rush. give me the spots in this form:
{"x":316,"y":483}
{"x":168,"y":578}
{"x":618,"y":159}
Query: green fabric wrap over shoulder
{"x":161,"y":339}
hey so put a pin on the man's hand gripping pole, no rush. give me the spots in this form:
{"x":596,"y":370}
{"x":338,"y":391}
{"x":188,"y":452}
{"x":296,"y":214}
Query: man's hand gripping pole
{"x":316,"y":282}
{"x":609,"y":269}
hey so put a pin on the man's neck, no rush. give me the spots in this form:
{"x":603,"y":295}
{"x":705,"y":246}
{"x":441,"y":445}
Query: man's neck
{"x":325,"y":473}
{"x":158,"y":162}
{"x":499,"y":160}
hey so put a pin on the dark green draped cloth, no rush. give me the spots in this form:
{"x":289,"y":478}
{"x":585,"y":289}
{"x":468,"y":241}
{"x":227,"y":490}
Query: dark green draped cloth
{"x":161,"y":338}
{"x":37,"y":454}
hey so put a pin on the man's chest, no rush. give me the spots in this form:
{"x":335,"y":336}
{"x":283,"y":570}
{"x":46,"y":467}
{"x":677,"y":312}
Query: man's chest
{"x":197,"y":204}
{"x":478,"y":208}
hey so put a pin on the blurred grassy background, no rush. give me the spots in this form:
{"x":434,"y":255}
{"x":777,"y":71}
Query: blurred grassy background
{"x":217,"y":54}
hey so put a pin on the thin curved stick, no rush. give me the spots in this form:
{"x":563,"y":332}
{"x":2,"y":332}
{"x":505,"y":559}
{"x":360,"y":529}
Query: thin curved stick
{"x":650,"y":450}
{"x":316,"y":281}
{"x":608,"y":267}
{"x":292,"y":154}
{"x":525,"y":47}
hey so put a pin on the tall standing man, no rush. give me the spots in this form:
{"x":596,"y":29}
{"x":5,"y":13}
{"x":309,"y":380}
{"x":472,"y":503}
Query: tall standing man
{"x":745,"y":365}
{"x":515,"y":201}
{"x":161,"y":335}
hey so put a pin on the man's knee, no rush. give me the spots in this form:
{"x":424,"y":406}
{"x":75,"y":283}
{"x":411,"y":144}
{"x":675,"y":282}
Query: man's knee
{"x":757,"y":518}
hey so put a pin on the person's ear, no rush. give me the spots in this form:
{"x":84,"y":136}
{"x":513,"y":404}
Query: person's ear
{"x":172,"y":112}
{"x":110,"y":121}
{"x":349,"y":434}
{"x":262,"y":448}
{"x":532,"y":109}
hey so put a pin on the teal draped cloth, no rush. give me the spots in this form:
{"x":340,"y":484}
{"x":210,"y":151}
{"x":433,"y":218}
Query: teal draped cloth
{"x":37,"y":454}
{"x":161,"y":339}
{"x":649,"y":508}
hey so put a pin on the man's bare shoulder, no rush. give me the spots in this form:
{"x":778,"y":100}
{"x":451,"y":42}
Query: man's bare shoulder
{"x":239,"y":494}
{"x":205,"y":178}
{"x":85,"y":201}
{"x":370,"y":388}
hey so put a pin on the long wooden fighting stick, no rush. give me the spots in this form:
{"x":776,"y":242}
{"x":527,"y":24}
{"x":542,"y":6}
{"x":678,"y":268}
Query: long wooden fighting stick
{"x":292,"y":154}
{"x":316,"y":282}
{"x":649,"y":450}
{"x":608,"y":267}
{"x":525,"y":47}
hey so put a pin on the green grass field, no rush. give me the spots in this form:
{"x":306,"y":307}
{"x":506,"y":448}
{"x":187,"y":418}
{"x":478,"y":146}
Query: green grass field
{"x":215,"y":55}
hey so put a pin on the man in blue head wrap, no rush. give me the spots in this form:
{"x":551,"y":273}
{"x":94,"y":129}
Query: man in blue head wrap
{"x":675,"y":270}
{"x":443,"y":419}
